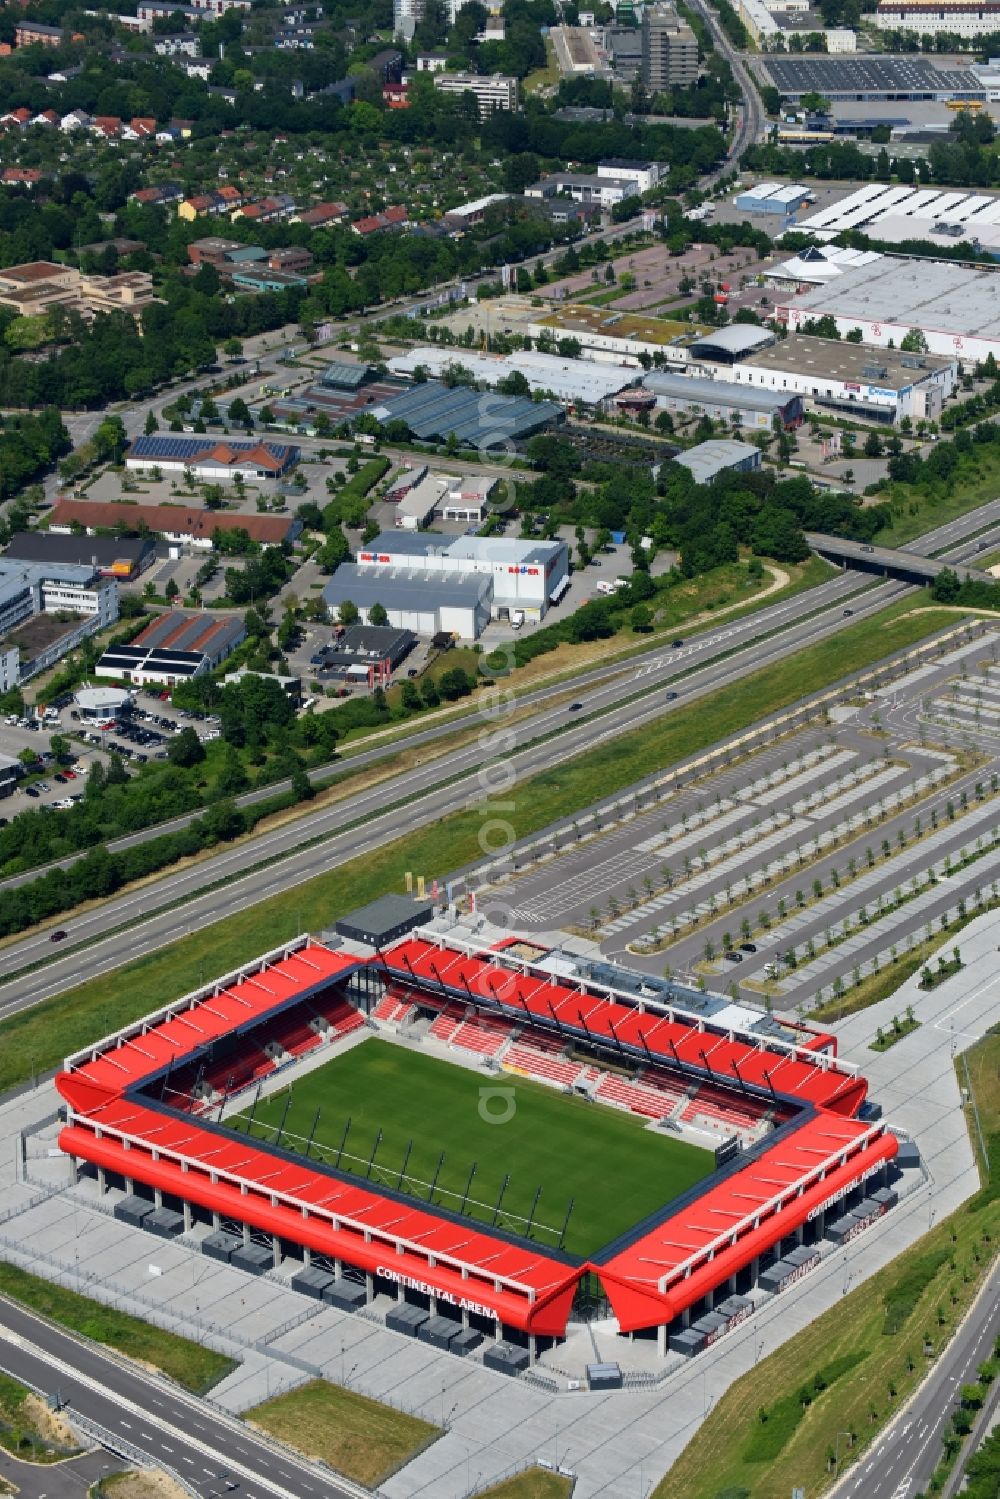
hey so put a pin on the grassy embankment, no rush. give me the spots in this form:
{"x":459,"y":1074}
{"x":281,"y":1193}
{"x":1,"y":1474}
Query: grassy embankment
{"x":191,"y":1365}
{"x":918,"y":509}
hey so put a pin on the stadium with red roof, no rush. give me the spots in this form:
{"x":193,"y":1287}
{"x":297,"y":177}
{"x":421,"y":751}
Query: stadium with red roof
{"x":146,"y":1110}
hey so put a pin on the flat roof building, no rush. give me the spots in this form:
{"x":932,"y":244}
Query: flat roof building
{"x":525,"y":575}
{"x":120,"y":557}
{"x":722,"y":400}
{"x":669,"y":50}
{"x":570,"y":381}
{"x":892,"y":215}
{"x":384,"y":920}
{"x":415,"y":599}
{"x":882,"y":385}
{"x":871,"y":76}
{"x":491,"y":92}
{"x":79,"y":595}
{"x":957,"y":309}
{"x":719,"y":456}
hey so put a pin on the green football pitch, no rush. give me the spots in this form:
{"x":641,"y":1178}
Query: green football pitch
{"x":612,"y":1169}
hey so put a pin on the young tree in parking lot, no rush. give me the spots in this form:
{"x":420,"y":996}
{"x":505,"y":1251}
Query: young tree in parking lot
{"x":28,"y":757}
{"x":377,"y":614}
{"x":60,"y":746}
{"x":348,"y":613}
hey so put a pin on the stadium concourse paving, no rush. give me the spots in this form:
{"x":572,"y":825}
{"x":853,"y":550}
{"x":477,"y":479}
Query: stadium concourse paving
{"x":618,"y":1444}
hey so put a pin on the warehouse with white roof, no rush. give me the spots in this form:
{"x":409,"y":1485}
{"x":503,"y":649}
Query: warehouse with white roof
{"x":526,"y":576}
{"x":955,"y":307}
{"x":574,"y":382}
{"x":781,"y":198}
{"x":894,"y":214}
{"x":414,"y":599}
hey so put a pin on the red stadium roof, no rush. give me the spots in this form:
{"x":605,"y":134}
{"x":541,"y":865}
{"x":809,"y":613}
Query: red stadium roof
{"x":730,"y":1059}
{"x":650,"y":1279}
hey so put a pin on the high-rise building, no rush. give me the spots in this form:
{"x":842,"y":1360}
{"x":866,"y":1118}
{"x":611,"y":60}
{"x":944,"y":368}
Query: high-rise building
{"x":406,"y":17}
{"x":669,"y":49}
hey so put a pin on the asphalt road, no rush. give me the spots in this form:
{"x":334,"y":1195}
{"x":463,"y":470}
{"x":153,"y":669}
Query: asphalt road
{"x":902,"y":1461}
{"x":211,"y":1452}
{"x":751,"y":119}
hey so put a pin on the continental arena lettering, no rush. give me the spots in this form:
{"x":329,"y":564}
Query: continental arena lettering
{"x":418,"y":1285}
{"x":838,"y":1196}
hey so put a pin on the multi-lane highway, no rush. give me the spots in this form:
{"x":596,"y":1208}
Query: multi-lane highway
{"x":213,"y":1453}
{"x":330,"y":836}
{"x":900,"y":1464}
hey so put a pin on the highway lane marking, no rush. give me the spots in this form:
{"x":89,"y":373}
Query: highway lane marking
{"x":133,"y":1408}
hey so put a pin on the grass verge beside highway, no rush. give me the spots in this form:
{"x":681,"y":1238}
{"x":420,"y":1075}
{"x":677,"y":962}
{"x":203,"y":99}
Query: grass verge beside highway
{"x":191,"y":1365}
{"x":37,"y":1039}
{"x":360,"y":1438}
{"x":822,"y":1398}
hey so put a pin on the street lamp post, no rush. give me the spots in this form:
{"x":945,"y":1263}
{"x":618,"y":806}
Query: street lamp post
{"x":836,"y":1448}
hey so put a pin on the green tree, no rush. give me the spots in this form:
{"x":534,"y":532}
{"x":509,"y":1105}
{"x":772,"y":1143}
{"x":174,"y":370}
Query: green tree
{"x":186,"y":749}
{"x":348,"y":613}
{"x":377,"y":614}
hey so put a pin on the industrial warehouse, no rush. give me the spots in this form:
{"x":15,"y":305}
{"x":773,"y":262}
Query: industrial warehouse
{"x":576,"y":382}
{"x":893,"y":214}
{"x":955,"y":308}
{"x":882,"y":385}
{"x":430,"y":583}
{"x":165,"y":1115}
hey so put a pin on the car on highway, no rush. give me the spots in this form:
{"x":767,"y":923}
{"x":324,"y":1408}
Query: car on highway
{"x":675,"y":645}
{"x":57,"y":936}
{"x":575,"y":707}
{"x":848,"y":613}
{"x":671,"y":696}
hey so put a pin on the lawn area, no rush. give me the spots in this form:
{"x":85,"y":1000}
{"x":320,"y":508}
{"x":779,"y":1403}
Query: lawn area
{"x":916,"y":510}
{"x":358,"y":1437}
{"x":38,"y":1038}
{"x":569,"y":1148}
{"x":194,"y":1367}
{"x":765,"y":1436}
{"x":535,"y":1483}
